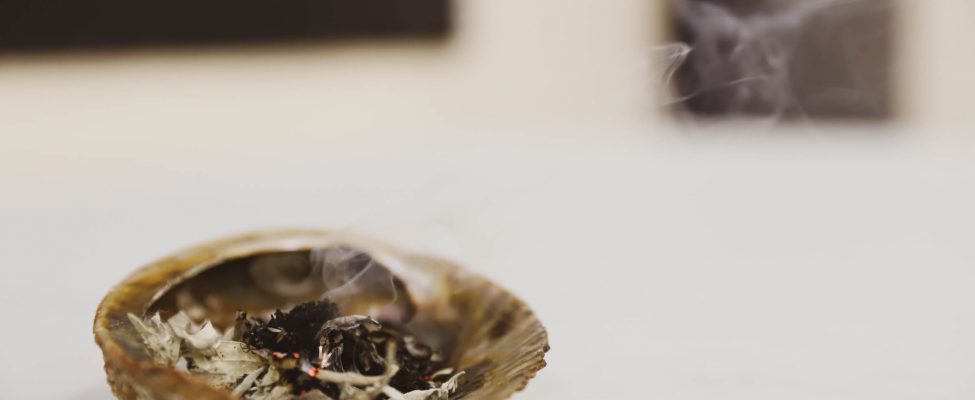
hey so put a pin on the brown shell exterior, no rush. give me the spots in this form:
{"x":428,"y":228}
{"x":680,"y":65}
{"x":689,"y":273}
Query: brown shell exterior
{"x":498,"y":340}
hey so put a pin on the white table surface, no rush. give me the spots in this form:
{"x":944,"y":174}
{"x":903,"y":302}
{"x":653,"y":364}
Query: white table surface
{"x":666,"y":266}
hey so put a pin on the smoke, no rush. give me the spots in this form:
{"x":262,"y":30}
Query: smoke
{"x":361,"y":285}
{"x":351,"y":278}
{"x":669,"y":58}
{"x":782,"y":58}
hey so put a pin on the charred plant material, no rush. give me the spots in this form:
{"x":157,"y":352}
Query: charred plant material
{"x":289,"y":332}
{"x":310,"y":342}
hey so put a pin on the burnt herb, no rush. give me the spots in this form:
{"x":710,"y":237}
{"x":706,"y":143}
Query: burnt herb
{"x":312,"y":337}
{"x":289,"y":332}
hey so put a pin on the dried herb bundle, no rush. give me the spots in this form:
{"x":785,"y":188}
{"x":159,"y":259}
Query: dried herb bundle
{"x":309,"y":352}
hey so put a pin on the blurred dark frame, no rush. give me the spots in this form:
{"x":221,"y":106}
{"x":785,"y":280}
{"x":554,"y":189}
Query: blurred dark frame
{"x":843,"y":65}
{"x":45,"y":25}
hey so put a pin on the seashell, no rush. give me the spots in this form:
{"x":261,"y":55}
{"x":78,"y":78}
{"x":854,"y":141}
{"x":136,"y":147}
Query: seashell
{"x":479,"y":327}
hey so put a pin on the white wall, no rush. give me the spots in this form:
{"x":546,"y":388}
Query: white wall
{"x":510,"y":61}
{"x":939,"y":63}
{"x":546,"y":60}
